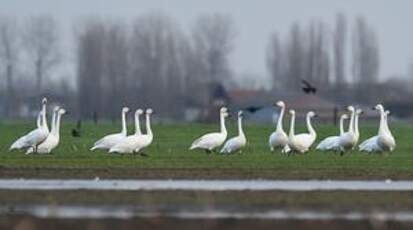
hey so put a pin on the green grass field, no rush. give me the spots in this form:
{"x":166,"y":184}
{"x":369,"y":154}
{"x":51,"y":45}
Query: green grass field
{"x":169,"y":156}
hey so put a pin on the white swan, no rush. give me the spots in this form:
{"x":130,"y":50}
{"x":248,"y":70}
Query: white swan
{"x":348,"y":139}
{"x":279,"y":139}
{"x":356,"y":126}
{"x":236,"y":143}
{"x":332,"y":143}
{"x":53,"y":138}
{"x":146,"y":139}
{"x":384,"y":140}
{"x":301,"y":142}
{"x":129,"y":144}
{"x":35,"y":137}
{"x":109,"y":141}
{"x":211,"y":141}
{"x":18,"y":144}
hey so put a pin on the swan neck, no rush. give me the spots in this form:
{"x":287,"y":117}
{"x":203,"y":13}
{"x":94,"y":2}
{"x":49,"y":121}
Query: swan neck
{"x":292,"y":124}
{"x":124,"y":131}
{"x":382,"y":122}
{"x":137,"y":125}
{"x":240,"y":130}
{"x":309,"y":126}
{"x":57,"y":126}
{"x":39,"y":120}
{"x":351,"y":124}
{"x":148,"y":125}
{"x":44,"y":121}
{"x":222,"y":123}
{"x":356,"y":124}
{"x":341,"y":125}
{"x":280,"y":120}
{"x":53,"y":130}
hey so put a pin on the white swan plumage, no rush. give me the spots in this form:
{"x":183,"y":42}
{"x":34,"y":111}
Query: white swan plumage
{"x":384,"y":140}
{"x":301,"y":142}
{"x":238,"y":142}
{"x":37,"y":136}
{"x":332,"y":143}
{"x":52,"y":140}
{"x":129,"y":144}
{"x":279,"y":138}
{"x":348,"y":140}
{"x":109,"y":141}
{"x":211,"y":141}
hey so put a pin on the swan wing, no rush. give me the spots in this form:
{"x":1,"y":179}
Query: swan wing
{"x":328,"y":143}
{"x":305,"y":140}
{"x":19,"y":143}
{"x":208,"y":141}
{"x":232,"y":145}
{"x":108,"y":141}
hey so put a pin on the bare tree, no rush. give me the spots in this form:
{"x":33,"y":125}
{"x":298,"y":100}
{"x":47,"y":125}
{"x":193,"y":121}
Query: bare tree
{"x":295,"y":55}
{"x":40,"y":39}
{"x":8,"y":57}
{"x":365,"y":53}
{"x":274,"y":61}
{"x":340,"y":34}
{"x":213,"y":42}
{"x":156,"y":61}
{"x":89,"y":68}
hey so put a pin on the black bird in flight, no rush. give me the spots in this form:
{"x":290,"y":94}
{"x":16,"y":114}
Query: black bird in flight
{"x":252,"y":109}
{"x":308,"y":88}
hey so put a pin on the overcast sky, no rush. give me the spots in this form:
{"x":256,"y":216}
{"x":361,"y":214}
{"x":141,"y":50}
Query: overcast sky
{"x":254,"y":20}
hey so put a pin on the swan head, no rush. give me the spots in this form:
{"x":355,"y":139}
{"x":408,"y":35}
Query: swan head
{"x":240,"y":114}
{"x":125,"y":109}
{"x":350,"y":108}
{"x":149,"y":111}
{"x":280,"y":104}
{"x":56,"y":108}
{"x":344,"y":116}
{"x":387,"y":112}
{"x":223,"y":110}
{"x":62,"y":111}
{"x":44,"y":101}
{"x":311,"y":114}
{"x":359,"y":111}
{"x":292,"y":112}
{"x":139,"y":112}
{"x":379,"y":107}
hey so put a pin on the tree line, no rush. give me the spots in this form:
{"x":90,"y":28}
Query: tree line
{"x":151,"y":61}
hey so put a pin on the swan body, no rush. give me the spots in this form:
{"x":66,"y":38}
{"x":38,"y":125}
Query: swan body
{"x":236,"y":143}
{"x":211,"y":141}
{"x":19,"y":143}
{"x":332,"y":143}
{"x":301,"y":142}
{"x":53,"y":138}
{"x":384,"y":140}
{"x":37,"y":136}
{"x":279,"y":139}
{"x":348,"y":140}
{"x":129,"y":144}
{"x":111,"y":140}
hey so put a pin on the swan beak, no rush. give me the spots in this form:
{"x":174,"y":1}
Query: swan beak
{"x":373,"y":108}
{"x":315,"y":116}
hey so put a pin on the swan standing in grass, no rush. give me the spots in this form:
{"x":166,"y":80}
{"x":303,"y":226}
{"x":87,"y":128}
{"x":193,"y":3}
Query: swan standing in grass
{"x":146,"y":139}
{"x":348,"y":139}
{"x":35,"y":137}
{"x":279,"y":139}
{"x":301,"y":142}
{"x":332,"y":143}
{"x":109,"y":141}
{"x":210,"y":141}
{"x":236,"y":143}
{"x":129,"y":144}
{"x":384,"y":140}
{"x":53,"y":138}
{"x":18,"y":144}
